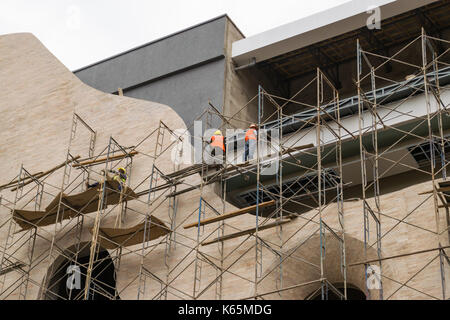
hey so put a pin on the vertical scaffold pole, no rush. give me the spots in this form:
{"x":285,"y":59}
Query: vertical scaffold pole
{"x":427,"y":88}
{"x":376,"y":179}
{"x":258,"y":243}
{"x":362,"y":159}
{"x":65,"y":180}
{"x":280,"y":197}
{"x":324,"y":288}
{"x":96,"y":227}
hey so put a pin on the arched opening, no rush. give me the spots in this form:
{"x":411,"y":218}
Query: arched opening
{"x":353,"y":293}
{"x":67,"y":276}
{"x":300,"y":270}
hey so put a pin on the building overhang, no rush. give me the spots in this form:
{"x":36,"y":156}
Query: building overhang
{"x":315,"y":28}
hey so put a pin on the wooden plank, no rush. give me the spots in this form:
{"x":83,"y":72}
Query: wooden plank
{"x":307,"y":146}
{"x":10,"y":184}
{"x":184,"y":172}
{"x":443,"y":189}
{"x":47,"y":172}
{"x":12,"y":267}
{"x":229,"y":215}
{"x":174,"y":194}
{"x":397,"y":256}
{"x":101,"y":160}
{"x":196,"y":168}
{"x":245,"y":232}
{"x":158,"y":188}
{"x":232,"y":170}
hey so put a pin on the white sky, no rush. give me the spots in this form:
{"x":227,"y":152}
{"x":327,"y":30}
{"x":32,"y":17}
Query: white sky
{"x":81,"y":32}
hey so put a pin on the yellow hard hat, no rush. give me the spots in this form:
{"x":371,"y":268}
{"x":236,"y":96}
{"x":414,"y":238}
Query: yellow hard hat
{"x":218,"y":132}
{"x":122,"y":169}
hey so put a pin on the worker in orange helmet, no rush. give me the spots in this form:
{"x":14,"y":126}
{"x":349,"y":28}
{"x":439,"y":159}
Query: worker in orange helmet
{"x":250,"y":142}
{"x":218,"y":146}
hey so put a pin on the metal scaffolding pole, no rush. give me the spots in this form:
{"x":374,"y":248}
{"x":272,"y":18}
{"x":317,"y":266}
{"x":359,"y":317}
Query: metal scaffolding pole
{"x":432,"y":142}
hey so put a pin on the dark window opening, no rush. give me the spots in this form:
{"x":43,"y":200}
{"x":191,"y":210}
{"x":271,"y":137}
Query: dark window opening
{"x":352,"y":294}
{"x":103,"y":279}
{"x":422,"y":153}
{"x":305,"y":185}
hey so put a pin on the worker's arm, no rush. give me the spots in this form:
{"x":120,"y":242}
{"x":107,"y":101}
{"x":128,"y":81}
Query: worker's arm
{"x":108,"y":177}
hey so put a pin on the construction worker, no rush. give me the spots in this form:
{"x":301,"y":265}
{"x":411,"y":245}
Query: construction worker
{"x":218,"y":146}
{"x":250,"y":142}
{"x":120,"y":176}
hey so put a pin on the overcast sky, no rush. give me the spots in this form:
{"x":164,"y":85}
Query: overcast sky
{"x":81,"y":32}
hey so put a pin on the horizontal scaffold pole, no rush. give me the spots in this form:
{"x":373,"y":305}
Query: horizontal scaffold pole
{"x":12,"y":267}
{"x":397,"y":256}
{"x":245,"y":232}
{"x":230,"y":215}
{"x":443,"y":189}
{"x":46,"y":172}
{"x":102,"y":160}
{"x":12,"y":183}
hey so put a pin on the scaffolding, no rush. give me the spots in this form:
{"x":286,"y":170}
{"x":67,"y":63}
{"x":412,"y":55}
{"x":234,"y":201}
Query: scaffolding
{"x":426,"y":133}
{"x":210,"y":249}
{"x":67,"y":216}
{"x":196,"y":253}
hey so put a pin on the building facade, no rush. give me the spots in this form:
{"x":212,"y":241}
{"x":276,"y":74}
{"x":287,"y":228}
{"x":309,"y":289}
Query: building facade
{"x":346,"y":197}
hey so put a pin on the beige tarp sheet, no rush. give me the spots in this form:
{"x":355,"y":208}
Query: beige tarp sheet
{"x":71,"y":206}
{"x":111,"y":238}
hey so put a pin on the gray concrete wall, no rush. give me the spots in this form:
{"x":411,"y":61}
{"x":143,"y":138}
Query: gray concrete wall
{"x":189,"y":92}
{"x":184,"y":70}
